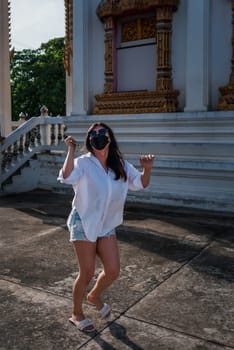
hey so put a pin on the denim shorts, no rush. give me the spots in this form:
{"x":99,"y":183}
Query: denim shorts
{"x":76,"y":229}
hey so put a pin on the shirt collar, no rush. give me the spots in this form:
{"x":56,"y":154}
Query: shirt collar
{"x":94,"y":159}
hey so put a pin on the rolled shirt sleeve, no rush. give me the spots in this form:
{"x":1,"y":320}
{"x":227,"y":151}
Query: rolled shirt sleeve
{"x":134,"y":177}
{"x":75,"y":175}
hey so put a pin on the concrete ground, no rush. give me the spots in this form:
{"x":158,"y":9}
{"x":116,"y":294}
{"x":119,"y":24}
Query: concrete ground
{"x":175,"y":290}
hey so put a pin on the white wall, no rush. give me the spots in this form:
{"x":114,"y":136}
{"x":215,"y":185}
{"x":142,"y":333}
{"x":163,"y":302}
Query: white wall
{"x":220,"y":48}
{"x":88,"y":57}
{"x":179,"y":51}
{"x":96,"y":58}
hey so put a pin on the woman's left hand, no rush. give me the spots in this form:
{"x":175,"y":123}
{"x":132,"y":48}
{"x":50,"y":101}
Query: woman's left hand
{"x":147,"y":161}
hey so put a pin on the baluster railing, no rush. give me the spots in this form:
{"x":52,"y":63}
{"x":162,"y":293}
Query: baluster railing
{"x":27,"y":142}
{"x":15,"y":150}
{"x":21,"y":145}
{"x":52,"y":135}
{"x":60,"y":132}
{"x":38,"y":134}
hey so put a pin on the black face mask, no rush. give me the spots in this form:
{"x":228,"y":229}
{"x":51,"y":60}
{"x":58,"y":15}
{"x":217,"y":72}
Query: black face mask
{"x":99,"y":142}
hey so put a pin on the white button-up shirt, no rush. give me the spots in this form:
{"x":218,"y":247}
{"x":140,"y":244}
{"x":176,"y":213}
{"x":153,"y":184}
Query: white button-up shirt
{"x":99,"y":198}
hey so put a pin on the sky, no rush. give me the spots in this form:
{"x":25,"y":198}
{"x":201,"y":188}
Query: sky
{"x":36,"y":21}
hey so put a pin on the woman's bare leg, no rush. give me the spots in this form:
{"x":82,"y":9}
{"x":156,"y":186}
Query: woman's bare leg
{"x":107,"y":249}
{"x":86,"y":254}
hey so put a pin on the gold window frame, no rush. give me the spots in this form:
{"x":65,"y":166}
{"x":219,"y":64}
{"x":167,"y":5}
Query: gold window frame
{"x":163,"y":98}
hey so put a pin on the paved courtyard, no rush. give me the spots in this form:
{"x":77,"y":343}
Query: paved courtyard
{"x":175,"y":290}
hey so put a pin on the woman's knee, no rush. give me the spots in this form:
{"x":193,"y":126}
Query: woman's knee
{"x":86,"y":275}
{"x":112,"y":272}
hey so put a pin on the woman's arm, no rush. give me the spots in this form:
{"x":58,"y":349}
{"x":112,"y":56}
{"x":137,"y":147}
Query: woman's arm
{"x":147,"y":163}
{"x":68,"y":165}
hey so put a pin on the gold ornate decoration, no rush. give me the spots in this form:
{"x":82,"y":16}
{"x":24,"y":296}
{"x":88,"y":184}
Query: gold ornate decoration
{"x":68,"y":34}
{"x":226,"y":101}
{"x":138,"y":29}
{"x":164,"y":98}
{"x":12,"y":50}
{"x":148,"y":29}
{"x":136,"y":102}
{"x":109,"y":47}
{"x":164,"y":31}
{"x":129,"y":31}
{"x":117,"y":8}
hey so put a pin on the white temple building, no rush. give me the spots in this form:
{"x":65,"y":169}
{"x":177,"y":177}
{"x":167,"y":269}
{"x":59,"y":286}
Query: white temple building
{"x":161,"y":74}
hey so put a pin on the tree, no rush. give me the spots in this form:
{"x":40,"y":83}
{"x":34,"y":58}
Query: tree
{"x":38,"y":78}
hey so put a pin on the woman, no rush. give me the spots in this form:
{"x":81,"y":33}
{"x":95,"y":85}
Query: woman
{"x":100,"y":179}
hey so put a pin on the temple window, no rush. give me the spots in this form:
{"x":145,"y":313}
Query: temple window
{"x":136,"y":40}
{"x":138,"y":69}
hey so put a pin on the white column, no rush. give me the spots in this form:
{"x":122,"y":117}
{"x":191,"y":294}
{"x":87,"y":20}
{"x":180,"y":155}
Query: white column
{"x":80,"y":77}
{"x":196,"y":91}
{"x":69,"y":92}
{"x":5,"y":91}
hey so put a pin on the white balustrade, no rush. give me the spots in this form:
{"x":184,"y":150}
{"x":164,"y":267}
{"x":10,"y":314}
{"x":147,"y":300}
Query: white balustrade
{"x":38,"y":134}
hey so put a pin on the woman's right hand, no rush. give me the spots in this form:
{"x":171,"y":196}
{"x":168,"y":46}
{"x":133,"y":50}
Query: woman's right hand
{"x":68,"y":165}
{"x":70,"y":142}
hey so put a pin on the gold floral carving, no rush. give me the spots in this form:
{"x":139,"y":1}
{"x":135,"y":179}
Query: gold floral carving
{"x":164,"y":98}
{"x":109,"y":43}
{"x":136,"y":102}
{"x":226,"y":101}
{"x":164,"y":31}
{"x":148,"y":29}
{"x":138,"y":29}
{"x":115,"y":8}
{"x":68,"y":35}
{"x":129,"y":31}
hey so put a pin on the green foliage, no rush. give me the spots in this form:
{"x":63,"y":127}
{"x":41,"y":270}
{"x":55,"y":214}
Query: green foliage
{"x":38,"y":78}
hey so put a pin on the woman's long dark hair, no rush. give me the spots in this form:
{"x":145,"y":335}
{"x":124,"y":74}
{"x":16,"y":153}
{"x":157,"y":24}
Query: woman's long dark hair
{"x":115,"y":158}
